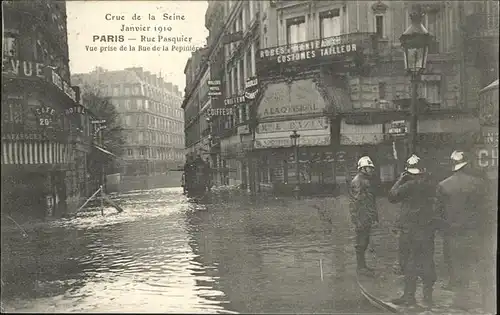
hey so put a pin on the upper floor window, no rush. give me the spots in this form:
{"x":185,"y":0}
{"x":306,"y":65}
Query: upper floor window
{"x":296,"y":30}
{"x":382,"y":90}
{"x":10,"y":45}
{"x":431,"y":91}
{"x":379,"y":26}
{"x":431,"y":23}
{"x":329,"y":23}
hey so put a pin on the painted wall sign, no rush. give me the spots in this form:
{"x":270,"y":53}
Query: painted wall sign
{"x":331,"y":46}
{"x":304,"y":124}
{"x":22,"y":136}
{"x":20,"y":68}
{"x":45,"y":115}
{"x":299,"y":97}
{"x":75,"y":110}
{"x":220,"y":112}
{"x":287,"y":142}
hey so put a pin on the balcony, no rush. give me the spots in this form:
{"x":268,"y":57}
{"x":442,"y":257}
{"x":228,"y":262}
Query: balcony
{"x":482,"y":26}
{"x":348,"y":52}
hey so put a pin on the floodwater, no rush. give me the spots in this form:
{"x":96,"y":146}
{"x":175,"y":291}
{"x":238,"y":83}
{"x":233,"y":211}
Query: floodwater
{"x":167,"y":253}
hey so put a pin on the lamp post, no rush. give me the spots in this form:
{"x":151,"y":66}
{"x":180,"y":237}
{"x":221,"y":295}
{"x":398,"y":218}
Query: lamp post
{"x":295,"y":137}
{"x":415,"y":42}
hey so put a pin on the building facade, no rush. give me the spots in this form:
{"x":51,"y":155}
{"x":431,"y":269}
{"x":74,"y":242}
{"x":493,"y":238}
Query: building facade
{"x":333,"y":71}
{"x":46,"y":133}
{"x":150,"y":114}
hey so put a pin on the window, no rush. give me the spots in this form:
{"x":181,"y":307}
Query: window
{"x":431,"y":91}
{"x":432,"y":25}
{"x":381,"y":90}
{"x":130,"y":152}
{"x":10,"y":46}
{"x":329,"y":23}
{"x":242,"y":76}
{"x":296,"y":30}
{"x":379,"y":25}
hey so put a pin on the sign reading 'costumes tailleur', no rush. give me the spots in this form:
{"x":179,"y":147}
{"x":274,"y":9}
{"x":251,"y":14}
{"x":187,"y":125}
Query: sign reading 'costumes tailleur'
{"x":331,"y":46}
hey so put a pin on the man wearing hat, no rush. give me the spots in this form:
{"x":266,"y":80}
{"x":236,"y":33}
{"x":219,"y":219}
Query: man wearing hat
{"x":363,"y":210}
{"x":415,"y":190}
{"x":461,"y":202}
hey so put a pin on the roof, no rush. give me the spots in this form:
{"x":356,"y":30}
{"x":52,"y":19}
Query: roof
{"x":492,"y":85}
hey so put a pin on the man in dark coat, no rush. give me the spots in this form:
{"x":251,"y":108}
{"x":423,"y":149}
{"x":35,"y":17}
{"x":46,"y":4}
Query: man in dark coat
{"x":462,"y":202}
{"x":363,"y":209}
{"x":416,"y":225}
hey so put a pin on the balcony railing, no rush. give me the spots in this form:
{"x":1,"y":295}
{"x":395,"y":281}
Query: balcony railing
{"x":482,"y":25}
{"x":336,"y":49}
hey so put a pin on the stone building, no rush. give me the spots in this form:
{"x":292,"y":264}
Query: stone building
{"x":46,"y":133}
{"x":334,"y":72}
{"x":150,"y":114}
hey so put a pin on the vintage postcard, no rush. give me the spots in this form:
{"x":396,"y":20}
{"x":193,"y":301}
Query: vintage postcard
{"x":249,"y":156}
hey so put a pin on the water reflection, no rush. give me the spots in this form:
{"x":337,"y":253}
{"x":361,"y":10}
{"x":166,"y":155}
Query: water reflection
{"x":167,"y":254}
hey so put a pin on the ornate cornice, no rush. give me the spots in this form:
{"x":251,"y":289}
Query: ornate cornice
{"x":379,"y":7}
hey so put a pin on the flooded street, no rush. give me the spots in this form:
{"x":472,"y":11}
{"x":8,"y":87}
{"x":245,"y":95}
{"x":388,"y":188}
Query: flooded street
{"x":166,"y":253}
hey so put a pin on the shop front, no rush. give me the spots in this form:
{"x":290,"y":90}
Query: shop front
{"x":286,"y":107}
{"x":36,"y":146}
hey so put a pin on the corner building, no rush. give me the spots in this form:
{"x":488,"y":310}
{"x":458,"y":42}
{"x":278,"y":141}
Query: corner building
{"x":46,"y":133}
{"x":334,"y":72}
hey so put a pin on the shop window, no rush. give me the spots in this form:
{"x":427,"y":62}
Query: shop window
{"x":330,"y":23}
{"x":296,"y":30}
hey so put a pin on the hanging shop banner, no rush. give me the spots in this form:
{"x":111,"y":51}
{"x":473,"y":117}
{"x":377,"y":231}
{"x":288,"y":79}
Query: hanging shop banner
{"x":214,"y":88}
{"x":232,"y":37}
{"x":235,"y":100}
{"x":251,"y":88}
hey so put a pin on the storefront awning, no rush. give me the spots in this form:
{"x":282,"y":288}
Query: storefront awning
{"x":104,"y":151}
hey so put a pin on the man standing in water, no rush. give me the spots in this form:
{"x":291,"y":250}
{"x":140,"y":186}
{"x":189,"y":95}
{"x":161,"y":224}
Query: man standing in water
{"x":416,"y":225}
{"x":469,"y":226}
{"x":363,"y":210}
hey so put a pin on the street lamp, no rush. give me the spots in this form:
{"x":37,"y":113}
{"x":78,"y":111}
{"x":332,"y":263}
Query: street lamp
{"x":415,"y":42}
{"x":295,"y":137}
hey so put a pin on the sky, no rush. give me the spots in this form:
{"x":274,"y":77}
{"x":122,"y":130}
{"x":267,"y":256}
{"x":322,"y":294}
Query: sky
{"x":87,"y":19}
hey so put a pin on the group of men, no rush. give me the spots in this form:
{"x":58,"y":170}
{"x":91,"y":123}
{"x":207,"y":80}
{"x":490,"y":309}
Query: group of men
{"x":197,"y":176}
{"x":456,"y":207}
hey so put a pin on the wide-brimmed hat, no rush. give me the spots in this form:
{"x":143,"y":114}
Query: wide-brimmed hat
{"x":459,"y":160}
{"x":413,"y":165}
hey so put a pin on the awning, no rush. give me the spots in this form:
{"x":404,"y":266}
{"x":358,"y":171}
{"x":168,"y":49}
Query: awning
{"x":491,"y":86}
{"x":104,"y":150}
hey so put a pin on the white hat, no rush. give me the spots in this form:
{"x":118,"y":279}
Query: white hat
{"x":365,"y":161}
{"x":412,"y":165}
{"x":458,"y":159}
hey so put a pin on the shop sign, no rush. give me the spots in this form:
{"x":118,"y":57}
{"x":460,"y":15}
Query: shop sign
{"x":23,"y":68}
{"x":220,"y":112}
{"x":251,"y":88}
{"x":487,"y":158}
{"x":341,"y":156}
{"x":360,"y":139}
{"x":298,"y":98}
{"x":102,"y":121}
{"x":299,"y":125}
{"x":398,"y":127}
{"x":45,"y":115}
{"x":63,"y":85}
{"x":22,"y":136}
{"x":287,"y":142}
{"x":235,"y":100}
{"x":75,"y":110}
{"x":214,"y":88}
{"x":313,"y":49}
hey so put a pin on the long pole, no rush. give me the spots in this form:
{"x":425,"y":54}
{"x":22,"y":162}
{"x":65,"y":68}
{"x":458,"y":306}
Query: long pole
{"x":413,"y":114}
